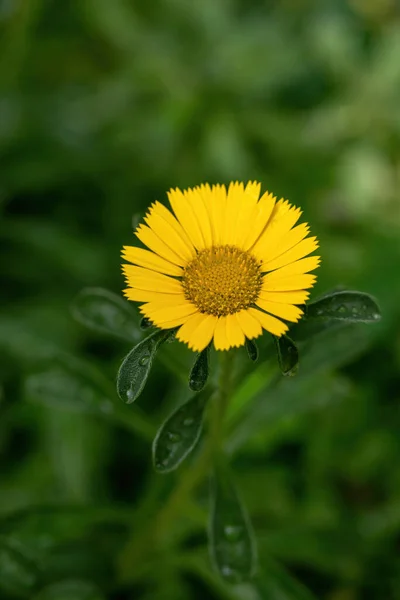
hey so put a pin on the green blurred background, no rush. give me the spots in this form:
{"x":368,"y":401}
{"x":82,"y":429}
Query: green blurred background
{"x":106,"y":104}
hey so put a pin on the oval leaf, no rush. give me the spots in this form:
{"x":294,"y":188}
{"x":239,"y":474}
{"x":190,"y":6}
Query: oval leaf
{"x":288,"y":355}
{"x":179,"y":434}
{"x":252,"y":350}
{"x":18,"y":573}
{"x":135,"y":368}
{"x":334,"y":310}
{"x":231,"y":538}
{"x":70,"y":387}
{"x":105,"y":312}
{"x":66,"y":590}
{"x":200,"y":371}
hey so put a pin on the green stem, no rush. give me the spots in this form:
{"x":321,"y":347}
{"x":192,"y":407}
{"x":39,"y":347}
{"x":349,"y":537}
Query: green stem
{"x":157,"y":532}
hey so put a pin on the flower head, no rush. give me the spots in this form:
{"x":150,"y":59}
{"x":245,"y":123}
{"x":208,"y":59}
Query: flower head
{"x":222,"y":266}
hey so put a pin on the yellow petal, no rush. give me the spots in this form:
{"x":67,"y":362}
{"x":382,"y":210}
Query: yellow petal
{"x":283,"y":218}
{"x":296,"y":268}
{"x":184,"y":213}
{"x":145,"y":258}
{"x":152,"y":241}
{"x":286,"y":284}
{"x":185,"y":333}
{"x":202,"y":335}
{"x":234,"y":203}
{"x":269,"y":323}
{"x":217,"y":207}
{"x":285,"y":297}
{"x":284,"y":311}
{"x":167,"y":228}
{"x":168,"y":235}
{"x":290,"y":239}
{"x":221,"y":341}
{"x":234,"y":332}
{"x":259,"y":219}
{"x":164,"y":314}
{"x":248,"y":205}
{"x":144,"y":279}
{"x":147,"y":296}
{"x":250,"y":326}
{"x":195,"y":200}
{"x":294,"y":254}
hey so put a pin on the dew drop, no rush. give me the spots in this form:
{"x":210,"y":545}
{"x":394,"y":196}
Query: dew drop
{"x":228,"y":573}
{"x":174,"y":437}
{"x":188,"y":422}
{"x":233,"y":532}
{"x":341,"y":309}
{"x":143,"y":361}
{"x":130,"y":395}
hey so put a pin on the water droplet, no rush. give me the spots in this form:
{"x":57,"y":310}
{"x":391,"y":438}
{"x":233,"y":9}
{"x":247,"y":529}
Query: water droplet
{"x":130,"y":395}
{"x":354,"y":310}
{"x":174,"y":437}
{"x":376,"y":317}
{"x":228,"y":573}
{"x":188,"y":421}
{"x":320,"y":311}
{"x":233,"y":532}
{"x":143,"y":361}
{"x":341,"y":309}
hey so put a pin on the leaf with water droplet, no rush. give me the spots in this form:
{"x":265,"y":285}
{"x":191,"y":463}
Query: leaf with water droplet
{"x":68,"y":589}
{"x":200,"y":371}
{"x":252,"y":350}
{"x":105,"y":312}
{"x":179,"y":434}
{"x":231,"y":538}
{"x":72,"y":385}
{"x":19,"y":574}
{"x":334,"y":310}
{"x":135,"y":367}
{"x":288,"y":355}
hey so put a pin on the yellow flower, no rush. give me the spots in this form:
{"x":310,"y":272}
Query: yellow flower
{"x":223,"y":266}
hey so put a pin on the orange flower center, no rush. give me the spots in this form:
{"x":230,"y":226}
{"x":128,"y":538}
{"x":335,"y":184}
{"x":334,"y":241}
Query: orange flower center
{"x":222,"y":280}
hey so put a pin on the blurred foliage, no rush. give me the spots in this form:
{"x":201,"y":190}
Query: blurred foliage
{"x":104,"y":105}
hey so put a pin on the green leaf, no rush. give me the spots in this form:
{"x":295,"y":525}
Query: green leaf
{"x":334,"y":310}
{"x":145,"y":323}
{"x":70,"y":590}
{"x":252,"y":349}
{"x":275,"y":583}
{"x":288,"y":355}
{"x":231,"y":538}
{"x":135,"y":367}
{"x":179,"y":434}
{"x":19,"y":574}
{"x":200,"y":371}
{"x":105,"y":312}
{"x":71,"y":385}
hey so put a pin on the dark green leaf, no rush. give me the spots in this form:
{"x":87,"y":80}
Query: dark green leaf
{"x":135,"y":368}
{"x":334,"y":310}
{"x":231,"y":538}
{"x":179,"y":434}
{"x":275,"y":583}
{"x":145,"y":323}
{"x":252,"y":350}
{"x":288,"y":355}
{"x":105,"y":312}
{"x":19,"y":574}
{"x":200,"y":370}
{"x":70,"y":590}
